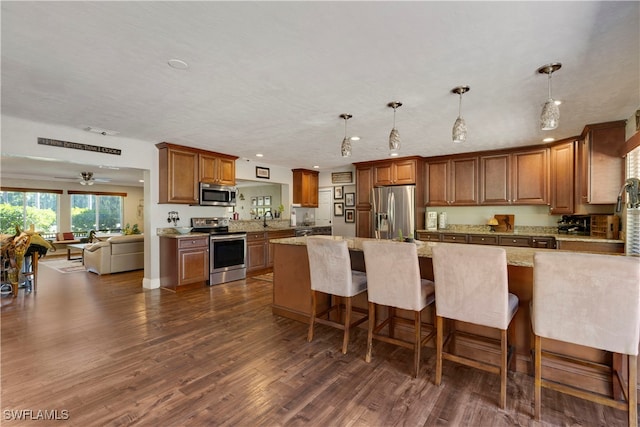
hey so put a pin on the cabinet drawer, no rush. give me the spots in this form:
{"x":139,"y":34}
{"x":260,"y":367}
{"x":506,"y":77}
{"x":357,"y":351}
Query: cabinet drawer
{"x":429,"y":237}
{"x":193,"y":243}
{"x":454,"y":238}
{"x":482,"y":240}
{"x":514,"y":241}
{"x":252,"y":237}
{"x":280,"y":234}
{"x":543,"y":242}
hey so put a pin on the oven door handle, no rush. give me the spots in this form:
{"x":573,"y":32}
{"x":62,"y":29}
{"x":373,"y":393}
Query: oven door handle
{"x":228,"y":237}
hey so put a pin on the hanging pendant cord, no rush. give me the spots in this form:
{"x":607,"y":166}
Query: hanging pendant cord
{"x":550,"y":86}
{"x":460,"y":105}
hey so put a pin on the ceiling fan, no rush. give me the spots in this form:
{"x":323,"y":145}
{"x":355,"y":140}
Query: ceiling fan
{"x":86,"y":178}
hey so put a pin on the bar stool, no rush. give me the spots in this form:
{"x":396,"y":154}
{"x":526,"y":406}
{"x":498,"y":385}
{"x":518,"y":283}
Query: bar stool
{"x":472,"y":286}
{"x":591,"y":300}
{"x":330,"y":268}
{"x":393,"y":277}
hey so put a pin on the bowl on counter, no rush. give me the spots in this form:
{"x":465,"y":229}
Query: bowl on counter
{"x":183,"y":230}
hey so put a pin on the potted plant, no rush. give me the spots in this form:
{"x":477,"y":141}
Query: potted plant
{"x":279,"y":211}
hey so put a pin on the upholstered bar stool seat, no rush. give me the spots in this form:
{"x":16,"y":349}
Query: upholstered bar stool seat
{"x":393,"y":278}
{"x":591,"y":300}
{"x":330,"y":268}
{"x":472,"y":286}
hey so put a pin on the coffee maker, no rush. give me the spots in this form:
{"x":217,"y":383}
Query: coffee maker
{"x":575,"y":224}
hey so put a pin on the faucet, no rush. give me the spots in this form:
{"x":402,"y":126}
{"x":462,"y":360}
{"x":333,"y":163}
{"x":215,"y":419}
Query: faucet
{"x":264,"y":217}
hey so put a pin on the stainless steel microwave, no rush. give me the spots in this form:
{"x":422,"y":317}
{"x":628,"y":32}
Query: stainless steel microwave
{"x":217,"y":195}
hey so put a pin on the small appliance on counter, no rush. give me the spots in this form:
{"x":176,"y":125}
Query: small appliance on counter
{"x":579,"y":225}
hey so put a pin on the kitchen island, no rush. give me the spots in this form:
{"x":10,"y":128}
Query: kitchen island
{"x":292,"y":299}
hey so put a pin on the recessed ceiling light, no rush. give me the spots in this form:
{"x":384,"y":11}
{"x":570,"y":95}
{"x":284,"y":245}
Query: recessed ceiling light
{"x":178,"y":64}
{"x":548,"y":139}
{"x":259,"y":155}
{"x":101,"y":131}
{"x":355,"y":138}
{"x":316,"y":167}
{"x":393,"y":155}
{"x":141,"y":180}
{"x":557,"y":101}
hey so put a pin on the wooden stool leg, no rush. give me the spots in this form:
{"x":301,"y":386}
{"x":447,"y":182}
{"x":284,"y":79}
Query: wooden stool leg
{"x":372,"y":322}
{"x":633,"y":394}
{"x":416,"y":345}
{"x":439,"y":332}
{"x":392,"y":326}
{"x":537,"y":396}
{"x":347,"y":325}
{"x":312,"y":318}
{"x":503,"y":368}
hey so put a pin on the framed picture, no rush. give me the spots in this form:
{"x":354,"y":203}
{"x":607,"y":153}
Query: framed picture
{"x":338,"y":209}
{"x":349,"y":215}
{"x":262,"y":172}
{"x":260,"y":212}
{"x":349,"y":199}
{"x":260,"y":201}
{"x":337,"y":193}
{"x":254,"y":201}
{"x":267,"y":200}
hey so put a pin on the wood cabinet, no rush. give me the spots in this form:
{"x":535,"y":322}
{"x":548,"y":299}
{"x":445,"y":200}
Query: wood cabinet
{"x":561,"y":179}
{"x":489,"y":239}
{"x":178,"y":174}
{"x":305,"y":188}
{"x":256,"y":251}
{"x":184,"y":261}
{"x":428,"y":237}
{"x":364,"y":213}
{"x":518,"y":178}
{"x":601,"y":168}
{"x":482,"y":239}
{"x":452,"y":182}
{"x":217,"y":169}
{"x":397,"y":172}
{"x":276,"y":234}
{"x":182,"y":168}
{"x":595,"y":246}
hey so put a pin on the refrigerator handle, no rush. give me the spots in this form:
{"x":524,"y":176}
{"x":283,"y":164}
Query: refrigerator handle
{"x":391,"y":213}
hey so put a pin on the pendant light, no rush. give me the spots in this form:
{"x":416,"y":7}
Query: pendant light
{"x":459,"y":132}
{"x":550,"y":116}
{"x":394,"y":136}
{"x":346,"y":142}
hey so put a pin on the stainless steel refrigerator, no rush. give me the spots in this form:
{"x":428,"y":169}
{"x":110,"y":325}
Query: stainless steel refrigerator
{"x":394,"y":211}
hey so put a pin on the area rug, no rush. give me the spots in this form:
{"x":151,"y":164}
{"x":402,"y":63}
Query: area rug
{"x":64,"y":266}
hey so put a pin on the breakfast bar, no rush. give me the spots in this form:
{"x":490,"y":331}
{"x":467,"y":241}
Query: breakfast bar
{"x":292,"y":299}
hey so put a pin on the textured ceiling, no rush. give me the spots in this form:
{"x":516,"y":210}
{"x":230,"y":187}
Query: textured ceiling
{"x":273,"y":77}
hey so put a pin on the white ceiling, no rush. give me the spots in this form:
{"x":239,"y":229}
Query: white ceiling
{"x":273,"y":77}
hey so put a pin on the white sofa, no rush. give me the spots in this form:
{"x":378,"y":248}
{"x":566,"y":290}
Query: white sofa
{"x":116,"y":254}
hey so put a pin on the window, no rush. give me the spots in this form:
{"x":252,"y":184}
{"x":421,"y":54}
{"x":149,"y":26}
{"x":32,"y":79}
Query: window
{"x":23,"y":207}
{"x":90,"y":211}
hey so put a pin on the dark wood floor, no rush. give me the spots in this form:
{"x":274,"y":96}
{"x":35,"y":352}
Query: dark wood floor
{"x":111,"y":353}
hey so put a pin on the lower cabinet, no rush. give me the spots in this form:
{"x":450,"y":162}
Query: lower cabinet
{"x":489,"y":239}
{"x":280,"y":234}
{"x":607,"y":247}
{"x":256,"y":251}
{"x":183,"y":261}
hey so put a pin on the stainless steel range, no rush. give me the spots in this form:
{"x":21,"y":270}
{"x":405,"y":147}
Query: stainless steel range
{"x":227,"y":249}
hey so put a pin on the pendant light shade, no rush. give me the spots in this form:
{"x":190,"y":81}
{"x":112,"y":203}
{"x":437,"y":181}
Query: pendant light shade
{"x":550,"y":116}
{"x":394,"y":136}
{"x":459,"y":132}
{"x":345,"y":148}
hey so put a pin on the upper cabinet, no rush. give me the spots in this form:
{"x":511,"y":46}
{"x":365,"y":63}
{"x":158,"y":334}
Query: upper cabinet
{"x":182,"y":168}
{"x":398,"y":172}
{"x":217,"y":169}
{"x":518,"y":177}
{"x":452,"y":182}
{"x":561,"y":177}
{"x":601,"y":168}
{"x":305,"y":188}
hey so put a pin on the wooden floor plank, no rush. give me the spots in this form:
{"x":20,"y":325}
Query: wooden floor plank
{"x":111,"y":353}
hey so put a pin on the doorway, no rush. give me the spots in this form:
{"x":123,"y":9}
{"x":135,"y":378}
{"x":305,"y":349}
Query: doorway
{"x":323,"y":213}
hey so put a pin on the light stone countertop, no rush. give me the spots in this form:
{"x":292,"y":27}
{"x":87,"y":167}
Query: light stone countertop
{"x":522,"y":257}
{"x":528,"y":231}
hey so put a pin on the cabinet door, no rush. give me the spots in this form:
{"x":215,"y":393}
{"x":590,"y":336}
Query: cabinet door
{"x":430,"y":237}
{"x":363,"y":222}
{"x":605,"y":167}
{"x":529,"y":176}
{"x":404,"y":172}
{"x":256,"y":256}
{"x":562,"y":178}
{"x":463,"y":182}
{"x":437,"y":183}
{"x":182,"y":176}
{"x":226,"y":171}
{"x":383,"y":174}
{"x":194,"y":265}
{"x":495,"y":185}
{"x":364,"y":185}
{"x":522,"y":242}
{"x":305,"y":188}
{"x":208,"y":171}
